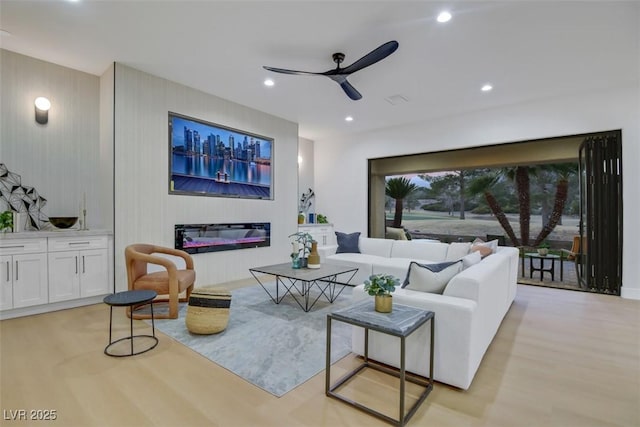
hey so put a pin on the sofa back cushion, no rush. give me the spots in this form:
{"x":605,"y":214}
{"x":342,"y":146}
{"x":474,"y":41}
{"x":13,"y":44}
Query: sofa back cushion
{"x":431,"y":277}
{"x":374,"y":246}
{"x":457,"y":250}
{"x":430,"y":251}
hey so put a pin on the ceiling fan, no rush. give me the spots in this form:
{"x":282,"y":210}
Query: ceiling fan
{"x":339,"y":75}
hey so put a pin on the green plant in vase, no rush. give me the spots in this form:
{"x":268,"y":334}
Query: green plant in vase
{"x":6,"y":221}
{"x":302,"y":243}
{"x":381,"y":286}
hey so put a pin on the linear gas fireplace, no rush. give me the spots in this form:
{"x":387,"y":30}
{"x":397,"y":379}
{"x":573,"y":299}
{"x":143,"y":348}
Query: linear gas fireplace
{"x":199,"y":238}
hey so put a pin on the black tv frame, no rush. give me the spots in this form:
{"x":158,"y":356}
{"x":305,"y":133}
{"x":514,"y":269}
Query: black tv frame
{"x":221,"y":183}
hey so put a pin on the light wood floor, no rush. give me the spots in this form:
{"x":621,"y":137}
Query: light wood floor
{"x":560,"y":358}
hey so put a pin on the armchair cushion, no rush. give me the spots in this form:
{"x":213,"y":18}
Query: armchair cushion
{"x":159,"y":281}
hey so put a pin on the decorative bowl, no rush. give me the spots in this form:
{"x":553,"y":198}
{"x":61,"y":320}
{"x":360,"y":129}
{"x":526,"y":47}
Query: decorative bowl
{"x":63,"y":221}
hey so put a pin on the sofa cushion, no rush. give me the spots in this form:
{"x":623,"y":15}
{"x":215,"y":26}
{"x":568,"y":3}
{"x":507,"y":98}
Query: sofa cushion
{"x":481,"y":246}
{"x":457,"y":250}
{"x":417,"y":250}
{"x":394,"y":266}
{"x":348,"y":243}
{"x":378,"y":247}
{"x":395,"y":234}
{"x":471,"y":259}
{"x":431,"y":277}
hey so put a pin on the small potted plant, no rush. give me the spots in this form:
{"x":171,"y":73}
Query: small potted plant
{"x":6,"y":221}
{"x":543,"y":249}
{"x":381,"y":286}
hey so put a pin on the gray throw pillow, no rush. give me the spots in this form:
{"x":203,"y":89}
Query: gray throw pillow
{"x":431,"y":278}
{"x":348,"y":243}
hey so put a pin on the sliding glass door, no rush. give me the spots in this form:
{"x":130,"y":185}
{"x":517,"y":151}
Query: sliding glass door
{"x":599,"y":263}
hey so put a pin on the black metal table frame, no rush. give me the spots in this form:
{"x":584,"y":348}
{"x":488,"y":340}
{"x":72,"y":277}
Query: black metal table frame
{"x":303,"y":287}
{"x":542,"y":270}
{"x":131,"y":336}
{"x":330,"y":390}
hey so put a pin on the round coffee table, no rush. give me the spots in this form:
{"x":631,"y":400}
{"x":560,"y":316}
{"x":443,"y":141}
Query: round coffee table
{"x":130,"y":299}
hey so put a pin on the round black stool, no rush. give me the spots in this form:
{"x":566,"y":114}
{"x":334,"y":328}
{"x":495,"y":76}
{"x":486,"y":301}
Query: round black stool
{"x":129,"y":299}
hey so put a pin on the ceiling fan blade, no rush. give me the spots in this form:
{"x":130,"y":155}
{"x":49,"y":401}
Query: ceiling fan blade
{"x":372,"y":57}
{"x":285,"y":71}
{"x":350,"y":90}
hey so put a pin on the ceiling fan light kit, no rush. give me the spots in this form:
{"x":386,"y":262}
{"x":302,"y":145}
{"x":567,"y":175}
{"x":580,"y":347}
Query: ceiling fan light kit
{"x":339,"y":75}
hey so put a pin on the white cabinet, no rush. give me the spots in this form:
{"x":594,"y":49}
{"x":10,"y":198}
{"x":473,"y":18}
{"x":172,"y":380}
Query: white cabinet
{"x":78,"y":267}
{"x":23,"y":273}
{"x":321,"y":233}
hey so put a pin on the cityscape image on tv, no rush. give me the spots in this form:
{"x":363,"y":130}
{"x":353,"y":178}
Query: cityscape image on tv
{"x":208,"y":159}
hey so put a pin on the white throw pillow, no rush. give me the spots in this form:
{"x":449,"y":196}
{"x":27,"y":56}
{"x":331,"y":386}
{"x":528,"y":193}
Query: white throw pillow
{"x":395,"y":234}
{"x":471,"y":259}
{"x":431,"y":278}
{"x":457,"y":250}
{"x":479,"y":244}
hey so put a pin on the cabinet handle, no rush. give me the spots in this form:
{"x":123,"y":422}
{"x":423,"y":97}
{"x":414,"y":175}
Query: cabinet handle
{"x":16,"y":271}
{"x":8,"y":266}
{"x":13,"y":247}
{"x":76,"y":264}
{"x":79,"y":243}
{"x":82,"y":264}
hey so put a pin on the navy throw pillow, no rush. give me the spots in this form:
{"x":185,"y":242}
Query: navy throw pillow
{"x":348,"y":243}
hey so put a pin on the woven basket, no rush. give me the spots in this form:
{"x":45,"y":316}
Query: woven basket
{"x":208,"y":310}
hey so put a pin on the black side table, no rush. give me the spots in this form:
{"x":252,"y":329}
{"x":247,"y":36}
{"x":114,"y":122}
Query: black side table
{"x":130,"y":299}
{"x":401,"y":322}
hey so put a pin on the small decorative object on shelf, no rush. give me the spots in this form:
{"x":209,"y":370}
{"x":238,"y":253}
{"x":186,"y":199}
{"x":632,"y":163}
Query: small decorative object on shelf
{"x":543,"y":249}
{"x":381,"y":286}
{"x":314,"y":258}
{"x":304,"y":205}
{"x":321,"y":219}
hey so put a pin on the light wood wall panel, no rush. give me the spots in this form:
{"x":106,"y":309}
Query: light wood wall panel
{"x":146,"y":212}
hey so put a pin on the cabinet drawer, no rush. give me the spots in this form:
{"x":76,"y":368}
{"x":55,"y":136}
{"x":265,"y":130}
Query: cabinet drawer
{"x":77,"y":243}
{"x":22,"y":246}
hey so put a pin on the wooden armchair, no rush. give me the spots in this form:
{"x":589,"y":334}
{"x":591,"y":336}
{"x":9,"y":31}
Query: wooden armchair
{"x":575,"y":254}
{"x":169,"y":284}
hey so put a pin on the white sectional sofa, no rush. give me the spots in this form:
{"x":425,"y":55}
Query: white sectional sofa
{"x":468,"y":313}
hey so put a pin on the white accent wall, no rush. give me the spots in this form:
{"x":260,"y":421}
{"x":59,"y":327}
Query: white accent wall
{"x":146,"y":212}
{"x":64,"y":158}
{"x":341,"y":163}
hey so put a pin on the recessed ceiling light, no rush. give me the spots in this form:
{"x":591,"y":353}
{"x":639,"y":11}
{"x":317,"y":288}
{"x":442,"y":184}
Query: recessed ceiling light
{"x":349,"y":118}
{"x":444,"y":16}
{"x":486,"y":88}
{"x":269,"y":82}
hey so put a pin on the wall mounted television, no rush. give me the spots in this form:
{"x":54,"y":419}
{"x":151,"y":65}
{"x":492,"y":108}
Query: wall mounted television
{"x":206,"y":159}
{"x":199,"y":238}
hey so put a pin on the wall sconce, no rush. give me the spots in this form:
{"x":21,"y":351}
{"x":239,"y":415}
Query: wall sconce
{"x":42,"y":110}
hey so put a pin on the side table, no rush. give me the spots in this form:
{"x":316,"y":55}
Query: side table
{"x":130,"y":299}
{"x":551,"y":270}
{"x":401,"y":322}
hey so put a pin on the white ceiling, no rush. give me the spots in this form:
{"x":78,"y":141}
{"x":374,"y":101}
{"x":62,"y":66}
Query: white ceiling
{"x":526,"y":49}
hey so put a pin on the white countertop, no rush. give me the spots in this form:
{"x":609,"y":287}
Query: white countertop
{"x":71,"y":232}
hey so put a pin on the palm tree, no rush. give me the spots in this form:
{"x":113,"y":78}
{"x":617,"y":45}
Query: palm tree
{"x":564,"y":171}
{"x":483,"y":185}
{"x":520,"y":175}
{"x":399,"y":188}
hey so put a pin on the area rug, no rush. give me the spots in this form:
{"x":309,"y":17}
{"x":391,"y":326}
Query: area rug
{"x":276,"y":347}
